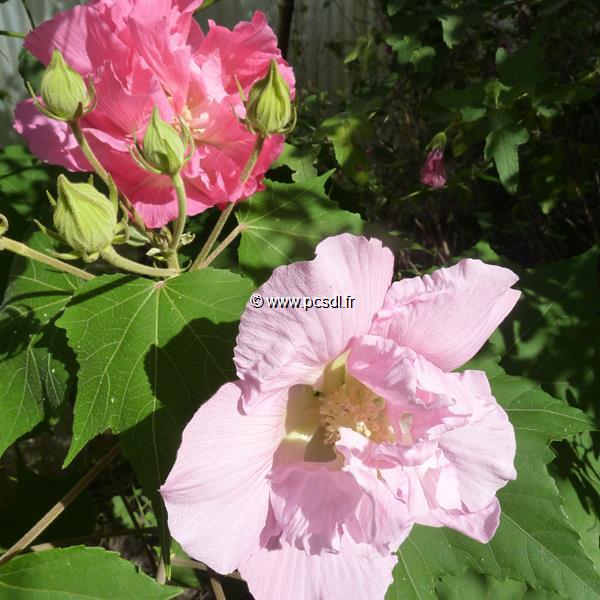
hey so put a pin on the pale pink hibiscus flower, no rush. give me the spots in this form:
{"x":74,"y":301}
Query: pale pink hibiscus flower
{"x":346,"y":427}
{"x":143,"y":54}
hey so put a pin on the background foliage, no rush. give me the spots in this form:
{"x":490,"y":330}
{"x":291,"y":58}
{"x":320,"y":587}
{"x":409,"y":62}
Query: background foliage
{"x":514,"y":86}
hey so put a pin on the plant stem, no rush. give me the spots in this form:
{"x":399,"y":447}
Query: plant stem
{"x":29,"y":15}
{"x":212,"y":238}
{"x":59,"y":507}
{"x":88,"y":152}
{"x":258,"y":146}
{"x":13,"y":34}
{"x":111,"y":256}
{"x":181,"y":217}
{"x":23,"y":250}
{"x":206,"y":262}
{"x":216,"y":586}
{"x":214,"y":234}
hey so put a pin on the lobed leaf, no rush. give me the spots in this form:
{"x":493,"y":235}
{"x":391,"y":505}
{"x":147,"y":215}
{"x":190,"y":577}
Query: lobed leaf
{"x":284,"y":223}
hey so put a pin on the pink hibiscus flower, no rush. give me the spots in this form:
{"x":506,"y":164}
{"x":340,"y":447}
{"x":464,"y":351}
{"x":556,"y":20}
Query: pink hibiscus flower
{"x":346,"y":427}
{"x":142,"y":55}
{"x":433,"y":173}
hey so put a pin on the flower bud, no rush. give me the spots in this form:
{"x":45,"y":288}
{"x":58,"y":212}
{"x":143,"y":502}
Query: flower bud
{"x":84,"y":218}
{"x":269,"y":108}
{"x":163,"y":147}
{"x":433,"y":173}
{"x":63,"y":90}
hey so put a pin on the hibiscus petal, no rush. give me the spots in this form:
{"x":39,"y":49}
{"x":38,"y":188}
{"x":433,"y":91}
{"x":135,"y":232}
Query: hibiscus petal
{"x":246,"y":52}
{"x":447,"y":316}
{"x":480,"y":525}
{"x":51,"y":141}
{"x":281,"y":347}
{"x":67,"y":31}
{"x":382,"y":519}
{"x":217,"y":494}
{"x":358,"y":571}
{"x":482,"y":454}
{"x":310,"y":502}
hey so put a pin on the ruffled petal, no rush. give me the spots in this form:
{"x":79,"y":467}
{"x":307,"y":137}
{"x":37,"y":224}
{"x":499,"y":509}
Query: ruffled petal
{"x":480,"y":525}
{"x":51,"y":141}
{"x":310,"y":503}
{"x":483,"y":455}
{"x":447,"y":316}
{"x":160,"y":37}
{"x":382,"y":519}
{"x":280,"y":347}
{"x":357,"y":571}
{"x":217,"y":494}
{"x":245,"y":52}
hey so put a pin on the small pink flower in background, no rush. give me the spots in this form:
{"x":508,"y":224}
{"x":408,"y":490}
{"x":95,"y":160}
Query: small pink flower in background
{"x":433,"y":172}
{"x":143,"y":54}
{"x":346,"y":427}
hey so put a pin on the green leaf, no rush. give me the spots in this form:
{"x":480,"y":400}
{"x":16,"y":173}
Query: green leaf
{"x":145,"y":347}
{"x":502,"y":145}
{"x":535,"y":542}
{"x":348,"y":133}
{"x":453,"y":27}
{"x":300,"y":161}
{"x":285,"y":223}
{"x":34,"y":356}
{"x":522,"y":67}
{"x":554,"y":333}
{"x":77,"y":573}
{"x":474,"y":586}
{"x":469,"y":102}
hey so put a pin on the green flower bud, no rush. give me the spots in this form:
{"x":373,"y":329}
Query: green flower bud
{"x":63,"y":90}
{"x":163,"y":147}
{"x":84,"y":218}
{"x":269,"y":108}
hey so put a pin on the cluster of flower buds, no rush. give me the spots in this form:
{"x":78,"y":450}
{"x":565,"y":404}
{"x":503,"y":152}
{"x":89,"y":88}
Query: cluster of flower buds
{"x":269,"y":107}
{"x":85,"y":219}
{"x":164,"y":150}
{"x":65,"y":95}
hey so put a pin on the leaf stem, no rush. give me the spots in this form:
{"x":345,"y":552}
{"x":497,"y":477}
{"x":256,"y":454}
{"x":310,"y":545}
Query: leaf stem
{"x":206,"y":262}
{"x":111,"y":256}
{"x":254,"y":156}
{"x":23,"y":250}
{"x":214,"y":234}
{"x":13,"y":34}
{"x":87,"y":151}
{"x":212,"y":238}
{"x":181,"y":217}
{"x":59,"y":507}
